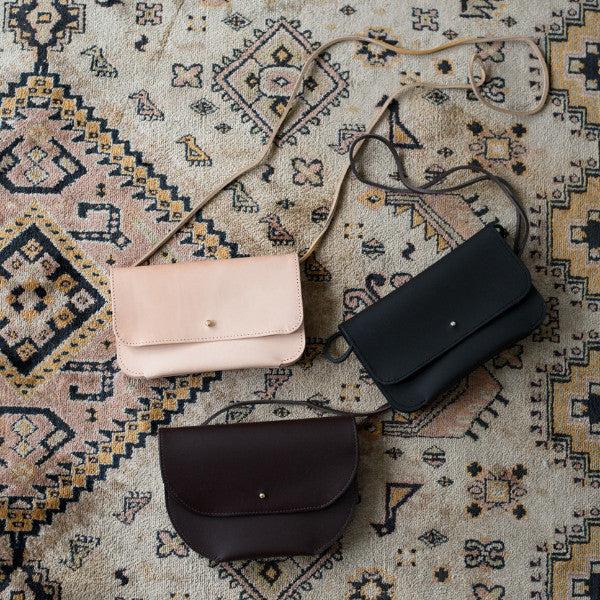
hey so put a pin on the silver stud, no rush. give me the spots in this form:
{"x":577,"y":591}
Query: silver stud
{"x":262,"y":495}
{"x":209,"y":323}
{"x":452,"y":323}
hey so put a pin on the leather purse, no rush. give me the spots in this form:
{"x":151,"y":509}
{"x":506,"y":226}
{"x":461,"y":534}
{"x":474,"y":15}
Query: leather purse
{"x":474,"y":302}
{"x":208,"y":315}
{"x":256,"y":490}
{"x":263,"y":489}
{"x":242,"y":312}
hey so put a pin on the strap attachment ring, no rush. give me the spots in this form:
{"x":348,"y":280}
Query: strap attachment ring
{"x":327,"y":349}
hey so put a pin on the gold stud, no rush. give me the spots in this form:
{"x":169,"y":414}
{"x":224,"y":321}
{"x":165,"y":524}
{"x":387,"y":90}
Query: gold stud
{"x":262,"y":495}
{"x":209,"y":323}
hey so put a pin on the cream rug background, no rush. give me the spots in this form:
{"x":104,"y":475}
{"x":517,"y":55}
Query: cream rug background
{"x":117,"y":116}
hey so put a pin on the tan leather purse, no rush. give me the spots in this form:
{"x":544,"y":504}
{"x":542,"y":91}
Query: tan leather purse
{"x":208,"y":315}
{"x":227,"y":314}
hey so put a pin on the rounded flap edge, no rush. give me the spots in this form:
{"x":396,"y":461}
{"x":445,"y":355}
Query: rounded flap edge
{"x":274,"y":467}
{"x":260,"y":536}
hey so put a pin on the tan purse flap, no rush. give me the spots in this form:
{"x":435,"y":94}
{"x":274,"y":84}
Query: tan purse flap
{"x":207,"y":300}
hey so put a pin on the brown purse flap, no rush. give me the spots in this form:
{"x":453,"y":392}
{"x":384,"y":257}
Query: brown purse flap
{"x":225,"y":470}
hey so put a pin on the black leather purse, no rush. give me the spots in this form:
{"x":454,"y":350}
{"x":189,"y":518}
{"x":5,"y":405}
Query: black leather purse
{"x":467,"y":307}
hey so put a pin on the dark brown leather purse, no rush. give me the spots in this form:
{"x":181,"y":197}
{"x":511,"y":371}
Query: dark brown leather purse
{"x":257,"y":490}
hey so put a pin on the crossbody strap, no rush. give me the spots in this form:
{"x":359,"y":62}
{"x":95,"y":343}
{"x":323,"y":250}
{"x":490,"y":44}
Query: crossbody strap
{"x":410,"y":188}
{"x":474,"y":84}
{"x":304,"y":403}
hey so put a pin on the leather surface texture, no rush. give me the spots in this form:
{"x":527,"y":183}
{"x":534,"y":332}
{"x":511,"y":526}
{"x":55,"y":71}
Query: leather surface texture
{"x":253,"y":490}
{"x":208,"y":315}
{"x":464,"y":309}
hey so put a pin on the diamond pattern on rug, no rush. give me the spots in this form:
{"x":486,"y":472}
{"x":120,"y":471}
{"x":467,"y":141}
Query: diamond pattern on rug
{"x":55,"y":310}
{"x":278,"y":579}
{"x":53,"y":300}
{"x":259,"y":78}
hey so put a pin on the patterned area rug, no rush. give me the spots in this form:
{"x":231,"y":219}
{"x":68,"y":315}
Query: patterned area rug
{"x":117,"y":116}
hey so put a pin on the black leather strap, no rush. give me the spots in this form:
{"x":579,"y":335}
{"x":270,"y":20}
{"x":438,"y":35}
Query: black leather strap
{"x":522,"y":220}
{"x":307,"y":403}
{"x":327,"y":349}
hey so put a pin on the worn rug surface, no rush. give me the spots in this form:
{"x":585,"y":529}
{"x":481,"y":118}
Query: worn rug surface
{"x":116,"y":116}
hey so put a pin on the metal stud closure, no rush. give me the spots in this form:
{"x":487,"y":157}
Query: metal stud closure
{"x":209,"y":323}
{"x":262,"y":495}
{"x":452,"y":323}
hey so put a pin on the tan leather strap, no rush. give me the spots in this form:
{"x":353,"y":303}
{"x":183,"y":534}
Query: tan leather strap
{"x":474,"y":84}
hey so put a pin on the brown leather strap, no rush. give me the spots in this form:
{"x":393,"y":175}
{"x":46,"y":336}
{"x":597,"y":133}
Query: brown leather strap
{"x":474,"y":84}
{"x":426,"y":188}
{"x":304,"y":403}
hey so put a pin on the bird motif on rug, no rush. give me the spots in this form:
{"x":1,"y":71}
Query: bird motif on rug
{"x":146,"y":108}
{"x":99,"y":66}
{"x":278,"y":235}
{"x":193,"y":153}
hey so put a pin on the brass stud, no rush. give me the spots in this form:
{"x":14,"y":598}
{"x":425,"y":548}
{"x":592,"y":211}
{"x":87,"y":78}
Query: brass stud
{"x":262,"y":495}
{"x":209,"y":323}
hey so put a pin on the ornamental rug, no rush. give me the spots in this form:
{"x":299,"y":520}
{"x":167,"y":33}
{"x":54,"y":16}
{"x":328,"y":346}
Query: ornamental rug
{"x":116,"y":116}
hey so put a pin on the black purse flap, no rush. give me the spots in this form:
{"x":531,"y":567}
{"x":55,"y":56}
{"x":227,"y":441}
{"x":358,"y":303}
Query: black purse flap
{"x":439,"y":308}
{"x":259,"y":468}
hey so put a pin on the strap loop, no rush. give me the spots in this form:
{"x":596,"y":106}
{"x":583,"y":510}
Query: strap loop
{"x":484,"y":75}
{"x":474,"y":84}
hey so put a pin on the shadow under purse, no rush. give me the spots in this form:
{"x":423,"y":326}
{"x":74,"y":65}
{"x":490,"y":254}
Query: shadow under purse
{"x":467,"y":307}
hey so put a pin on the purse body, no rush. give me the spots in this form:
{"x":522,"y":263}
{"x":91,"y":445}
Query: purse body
{"x":426,"y":335}
{"x":256,"y":490}
{"x":208,"y":315}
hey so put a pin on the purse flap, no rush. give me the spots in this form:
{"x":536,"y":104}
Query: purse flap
{"x":437,"y":309}
{"x":207,"y":300}
{"x":224,"y":470}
